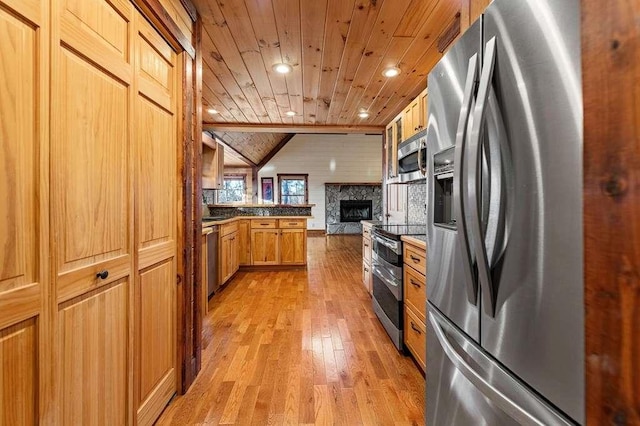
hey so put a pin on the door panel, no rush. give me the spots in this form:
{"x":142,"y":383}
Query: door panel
{"x":18,"y":374}
{"x":157,"y":322}
{"x":156,"y":147}
{"x":91,"y":166}
{"x":24,"y":217}
{"x":244,"y":242}
{"x":265,"y":246}
{"x":93,"y":331}
{"x":292,"y":247}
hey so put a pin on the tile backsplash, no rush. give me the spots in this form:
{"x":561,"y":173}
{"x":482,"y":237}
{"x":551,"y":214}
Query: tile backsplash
{"x":417,"y":203}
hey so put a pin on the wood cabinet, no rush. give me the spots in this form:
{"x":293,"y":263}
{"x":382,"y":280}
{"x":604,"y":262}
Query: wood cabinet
{"x":366,"y":257}
{"x":415,"y":298}
{"x":415,"y":115}
{"x":293,"y":246}
{"x":393,"y":137}
{"x":25,"y":349}
{"x":229,"y":250}
{"x":265,"y":246}
{"x":212,"y":163}
{"x":244,"y":242}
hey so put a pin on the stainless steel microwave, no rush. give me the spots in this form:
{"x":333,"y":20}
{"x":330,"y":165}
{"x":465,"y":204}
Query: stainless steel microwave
{"x":412,"y":158}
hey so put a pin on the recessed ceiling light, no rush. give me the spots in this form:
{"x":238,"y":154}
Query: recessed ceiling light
{"x":290,"y":113}
{"x":282,"y":68}
{"x":363,"y":114}
{"x":212,"y":111}
{"x":391,"y":72}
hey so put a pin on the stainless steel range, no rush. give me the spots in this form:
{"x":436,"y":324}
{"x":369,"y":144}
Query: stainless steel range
{"x":386,"y":260}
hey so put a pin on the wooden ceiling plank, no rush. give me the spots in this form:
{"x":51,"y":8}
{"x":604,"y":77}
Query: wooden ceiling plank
{"x":390,"y":15}
{"x":395,"y":51}
{"x":365,"y":15}
{"x":217,"y":67}
{"x":211,"y":83}
{"x":411,"y":23}
{"x":230,"y":146}
{"x":282,"y":142}
{"x":210,"y":100}
{"x":287,"y":14}
{"x":312,"y":16}
{"x":239,"y":23}
{"x":293,"y":128}
{"x":266,"y":33}
{"x":439,"y":19}
{"x":224,"y":41}
{"x":339,"y":14}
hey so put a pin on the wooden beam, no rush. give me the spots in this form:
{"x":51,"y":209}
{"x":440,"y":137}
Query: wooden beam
{"x":191,"y":9}
{"x":275,"y":150}
{"x":208,"y":140}
{"x":241,"y":155}
{"x":611,"y":77}
{"x":291,"y":128}
{"x":160,"y":18}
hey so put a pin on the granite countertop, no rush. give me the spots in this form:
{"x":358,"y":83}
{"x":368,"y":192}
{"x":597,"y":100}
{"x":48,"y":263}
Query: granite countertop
{"x":288,"y":206}
{"x":208,"y":223}
{"x":416,"y":240}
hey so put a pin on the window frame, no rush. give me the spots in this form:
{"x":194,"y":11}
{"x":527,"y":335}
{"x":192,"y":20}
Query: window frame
{"x":233,"y":176}
{"x":294,"y":176}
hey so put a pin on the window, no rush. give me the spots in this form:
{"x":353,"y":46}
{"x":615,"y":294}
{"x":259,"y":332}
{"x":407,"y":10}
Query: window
{"x":233,"y":189}
{"x":293,"y":189}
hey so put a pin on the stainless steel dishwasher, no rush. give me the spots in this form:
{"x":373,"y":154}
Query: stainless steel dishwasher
{"x":213,"y":281}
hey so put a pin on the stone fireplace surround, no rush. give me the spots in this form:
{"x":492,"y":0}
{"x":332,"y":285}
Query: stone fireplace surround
{"x":334,"y":192}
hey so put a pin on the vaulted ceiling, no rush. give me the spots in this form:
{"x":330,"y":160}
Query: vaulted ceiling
{"x":252,"y":147}
{"x":337,"y":49}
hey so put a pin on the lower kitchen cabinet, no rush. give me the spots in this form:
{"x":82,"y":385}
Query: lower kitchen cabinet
{"x":415,"y":301}
{"x":366,"y":257}
{"x":228,"y":255}
{"x":244,"y":242}
{"x":293,"y":247}
{"x":265,"y":246}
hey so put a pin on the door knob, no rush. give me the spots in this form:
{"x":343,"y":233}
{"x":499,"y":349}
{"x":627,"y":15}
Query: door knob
{"x":102,"y":274}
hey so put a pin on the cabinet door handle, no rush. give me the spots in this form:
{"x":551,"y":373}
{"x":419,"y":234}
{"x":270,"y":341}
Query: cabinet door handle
{"x":366,"y":245}
{"x":415,"y":259}
{"x":415,"y":284}
{"x":366,"y":270}
{"x":414,"y":328}
{"x":265,"y":224}
{"x":293,"y":223}
{"x":102,"y":274}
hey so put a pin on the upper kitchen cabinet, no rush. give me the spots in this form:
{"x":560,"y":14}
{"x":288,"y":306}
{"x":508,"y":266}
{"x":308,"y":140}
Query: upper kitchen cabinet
{"x":212,"y":163}
{"x":393,"y":137}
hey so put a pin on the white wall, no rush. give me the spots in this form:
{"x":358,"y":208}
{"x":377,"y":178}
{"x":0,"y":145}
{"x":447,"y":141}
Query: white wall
{"x":327,"y":158}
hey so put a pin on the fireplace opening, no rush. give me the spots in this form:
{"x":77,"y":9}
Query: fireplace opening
{"x":355,"y":210}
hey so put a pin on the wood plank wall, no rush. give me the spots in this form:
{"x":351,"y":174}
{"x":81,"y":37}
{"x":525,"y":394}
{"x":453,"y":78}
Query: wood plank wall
{"x":611,"y":83}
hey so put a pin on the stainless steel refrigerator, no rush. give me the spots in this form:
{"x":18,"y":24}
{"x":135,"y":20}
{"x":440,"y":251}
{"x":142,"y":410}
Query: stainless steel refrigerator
{"x":505,"y":326}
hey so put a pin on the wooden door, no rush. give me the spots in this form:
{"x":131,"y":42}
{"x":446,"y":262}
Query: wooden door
{"x":92,"y":216}
{"x":244,"y":242}
{"x":407,"y":121}
{"x":24,"y":231}
{"x":424,"y":108}
{"x":390,"y":167}
{"x":416,"y":118}
{"x":293,"y":247}
{"x":396,"y":204}
{"x":235,"y":253}
{"x":265,"y":246}
{"x":226,"y":260}
{"x":156,"y":148}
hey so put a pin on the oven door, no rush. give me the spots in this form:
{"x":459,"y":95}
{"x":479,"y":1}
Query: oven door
{"x":387,"y":249}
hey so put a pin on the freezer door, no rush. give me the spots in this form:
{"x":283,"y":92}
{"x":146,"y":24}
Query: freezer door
{"x":450,"y":276}
{"x":531,"y":268}
{"x":465,"y":387}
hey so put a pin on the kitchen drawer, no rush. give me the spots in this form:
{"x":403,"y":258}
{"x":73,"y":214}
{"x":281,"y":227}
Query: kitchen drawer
{"x":366,"y":231}
{"x":228,"y":228}
{"x":292,"y":223}
{"x":416,"y":258}
{"x":415,"y":336}
{"x":415,"y":292}
{"x":366,"y":249}
{"x":264,"y":223}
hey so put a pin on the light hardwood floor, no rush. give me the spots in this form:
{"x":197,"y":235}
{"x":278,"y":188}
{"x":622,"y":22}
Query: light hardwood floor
{"x":301,"y":347}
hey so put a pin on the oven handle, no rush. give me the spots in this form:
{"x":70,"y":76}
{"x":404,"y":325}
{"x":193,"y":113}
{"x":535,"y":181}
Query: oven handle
{"x":393,"y":245}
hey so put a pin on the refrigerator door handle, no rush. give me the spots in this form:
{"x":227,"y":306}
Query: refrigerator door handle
{"x":494,"y":383}
{"x":459,"y":182}
{"x":475,"y":187}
